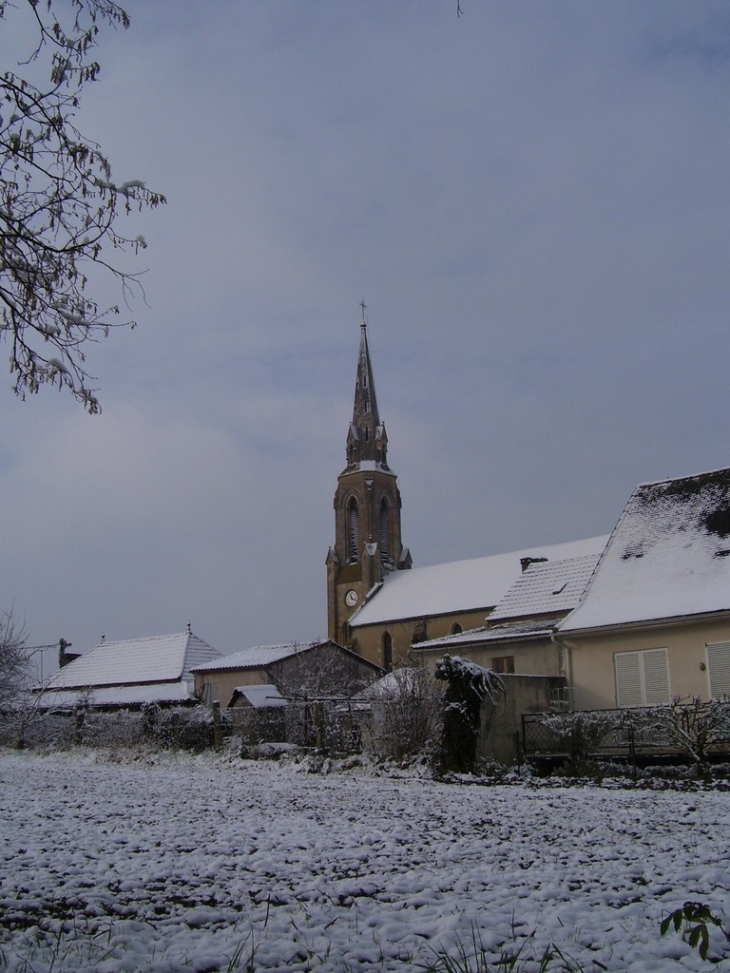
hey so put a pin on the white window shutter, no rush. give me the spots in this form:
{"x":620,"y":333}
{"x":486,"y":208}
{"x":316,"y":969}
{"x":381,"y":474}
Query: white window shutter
{"x":628,"y":679}
{"x":656,"y":676}
{"x":642,"y":678}
{"x":718,"y":664}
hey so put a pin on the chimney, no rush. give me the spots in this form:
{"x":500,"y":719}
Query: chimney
{"x":65,"y":657}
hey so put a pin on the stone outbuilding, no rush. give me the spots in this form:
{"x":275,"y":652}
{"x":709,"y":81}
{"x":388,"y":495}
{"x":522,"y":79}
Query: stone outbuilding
{"x":297,"y":670}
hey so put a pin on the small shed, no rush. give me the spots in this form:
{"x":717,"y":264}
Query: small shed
{"x":258,"y":714}
{"x":256,"y":697}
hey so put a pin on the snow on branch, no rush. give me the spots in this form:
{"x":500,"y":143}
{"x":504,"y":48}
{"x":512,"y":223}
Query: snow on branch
{"x":484,"y":683}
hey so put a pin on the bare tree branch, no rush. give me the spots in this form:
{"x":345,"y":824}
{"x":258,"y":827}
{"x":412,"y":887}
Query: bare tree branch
{"x":58,"y":205}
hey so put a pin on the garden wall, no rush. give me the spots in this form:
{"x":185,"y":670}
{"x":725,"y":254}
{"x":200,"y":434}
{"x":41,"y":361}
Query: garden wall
{"x":501,"y":722}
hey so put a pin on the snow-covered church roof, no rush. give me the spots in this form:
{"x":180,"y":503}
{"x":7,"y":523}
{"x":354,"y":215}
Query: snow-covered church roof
{"x":135,"y":662}
{"x":668,"y":556}
{"x":459,"y":586}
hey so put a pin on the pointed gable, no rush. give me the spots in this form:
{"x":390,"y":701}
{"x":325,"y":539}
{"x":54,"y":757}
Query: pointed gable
{"x":669,"y":556}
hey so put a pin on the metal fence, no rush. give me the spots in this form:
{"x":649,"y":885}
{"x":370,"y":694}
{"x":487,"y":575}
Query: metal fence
{"x":690,"y":731}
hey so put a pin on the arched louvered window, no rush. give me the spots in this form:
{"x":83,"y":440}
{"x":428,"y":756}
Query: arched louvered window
{"x":387,"y":644}
{"x":384,"y":530}
{"x":353,"y":531}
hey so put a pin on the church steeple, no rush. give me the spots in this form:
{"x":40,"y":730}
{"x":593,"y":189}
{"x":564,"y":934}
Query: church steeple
{"x":366,"y":440}
{"x":367,"y":510}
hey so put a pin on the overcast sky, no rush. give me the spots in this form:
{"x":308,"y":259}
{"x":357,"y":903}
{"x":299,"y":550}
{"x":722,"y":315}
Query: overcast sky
{"x":532,"y":199}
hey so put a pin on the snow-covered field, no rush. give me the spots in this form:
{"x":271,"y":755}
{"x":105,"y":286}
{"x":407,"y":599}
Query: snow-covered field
{"x":175,"y":863}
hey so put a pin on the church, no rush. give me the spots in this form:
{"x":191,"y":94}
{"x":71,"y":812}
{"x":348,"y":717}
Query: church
{"x":378,"y":604}
{"x":367,"y":504}
{"x":633,"y":618}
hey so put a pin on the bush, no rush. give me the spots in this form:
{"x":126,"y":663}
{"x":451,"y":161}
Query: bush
{"x":406,"y":709}
{"x":468,"y":685}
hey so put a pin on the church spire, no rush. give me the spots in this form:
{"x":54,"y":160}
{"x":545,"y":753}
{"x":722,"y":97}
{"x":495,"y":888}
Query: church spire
{"x":366,"y":440}
{"x":367,"y":516}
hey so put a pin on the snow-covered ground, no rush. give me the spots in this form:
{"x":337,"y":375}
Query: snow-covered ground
{"x":175,"y":863}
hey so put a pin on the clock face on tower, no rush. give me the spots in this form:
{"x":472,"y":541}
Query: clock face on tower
{"x":351,"y":598}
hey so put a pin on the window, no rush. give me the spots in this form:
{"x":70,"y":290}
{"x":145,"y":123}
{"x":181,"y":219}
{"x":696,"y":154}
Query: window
{"x":504,"y":665}
{"x":456,"y":629}
{"x":642,"y":678}
{"x":353,"y":530}
{"x":387,"y":645}
{"x":383,"y":529}
{"x":718,"y":669}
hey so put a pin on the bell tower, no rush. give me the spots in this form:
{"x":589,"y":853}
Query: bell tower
{"x":367,"y":508}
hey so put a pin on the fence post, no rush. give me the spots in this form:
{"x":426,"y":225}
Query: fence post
{"x":632,"y":749}
{"x":574,"y":740}
{"x":524,"y":733}
{"x":175,"y":731}
{"x":79,"y":719}
{"x":518,"y":750}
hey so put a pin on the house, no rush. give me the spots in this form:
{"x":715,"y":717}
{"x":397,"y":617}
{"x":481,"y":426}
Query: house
{"x":130,"y":673}
{"x":295,"y":670}
{"x":654,"y":621}
{"x":518,"y":635}
{"x":518,"y":642}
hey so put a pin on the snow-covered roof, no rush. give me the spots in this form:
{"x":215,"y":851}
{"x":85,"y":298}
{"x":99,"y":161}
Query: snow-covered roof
{"x":391,"y":685}
{"x":259,"y":656}
{"x":473,"y":585}
{"x":547,"y":588}
{"x":260,"y":696}
{"x":668,"y":556}
{"x":158,"y":659}
{"x":167,"y":692}
{"x":505,"y":632}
